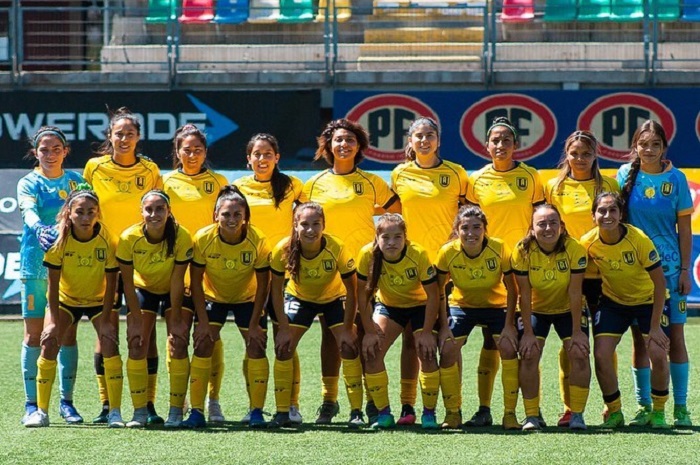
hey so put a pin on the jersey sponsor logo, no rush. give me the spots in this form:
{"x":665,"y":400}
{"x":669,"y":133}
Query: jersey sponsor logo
{"x":411,"y":273}
{"x":328,"y":265}
{"x":628,"y":257}
{"x":615,"y":117}
{"x":189,"y":253}
{"x":351,"y":264}
{"x":549,"y":275}
{"x":209,"y":187}
{"x":582,"y":261}
{"x":666,"y":188}
{"x":534,"y":122}
{"x":230,"y":264}
{"x":521,"y":183}
{"x":444,"y":180}
{"x":491,"y":264}
{"x":387,"y":118}
{"x":358,"y":187}
{"x":562,"y":265}
{"x":430,"y":271}
{"x":101,"y":254}
{"x":477,"y":273}
{"x":653,"y":255}
{"x":247,"y":257}
{"x":649,"y":192}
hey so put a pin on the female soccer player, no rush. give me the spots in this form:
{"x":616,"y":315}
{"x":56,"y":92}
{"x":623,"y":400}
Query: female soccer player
{"x":572,"y":191}
{"x":193,"y":188}
{"x":120,"y":176}
{"x":272,"y":195}
{"x":349,"y":197}
{"x":230,"y":273}
{"x":506,"y":191}
{"x":658,"y":201}
{"x":549,"y":267}
{"x":321,"y":275}
{"x":40,"y":195}
{"x":634,"y":289}
{"x":431,"y":190}
{"x":153,"y":256}
{"x":82,"y":276}
{"x":406,"y":289}
{"x":484,"y":294}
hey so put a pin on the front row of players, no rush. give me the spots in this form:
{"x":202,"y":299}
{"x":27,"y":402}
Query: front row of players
{"x":393,"y":285}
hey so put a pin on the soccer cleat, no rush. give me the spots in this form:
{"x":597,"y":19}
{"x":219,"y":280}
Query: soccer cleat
{"x":681,"y":417}
{"x":408,"y":416}
{"x":29,"y":408}
{"x":540,"y":418}
{"x":657,"y":420}
{"x":256,"y":419}
{"x":69,"y":413}
{"x":481,"y":418}
{"x":114,"y":419}
{"x":326,"y":412}
{"x":371,"y":412}
{"x":246,"y":418}
{"x":357,"y":419}
{"x":140,"y":418}
{"x":564,"y":419}
{"x":385,"y":420}
{"x":576,"y":422}
{"x":532,"y":424}
{"x":510,"y":422}
{"x":38,"y":419}
{"x":102,"y":418}
{"x":614,"y":420}
{"x":642,"y":417}
{"x":174,"y":418}
{"x":453,"y":420}
{"x":280,"y":420}
{"x":153,"y":417}
{"x":295,"y":415}
{"x":215,"y":413}
{"x":195,"y":420}
{"x":428,"y":420}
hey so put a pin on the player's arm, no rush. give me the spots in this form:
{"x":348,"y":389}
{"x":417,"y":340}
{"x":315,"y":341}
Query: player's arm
{"x":132,"y":302}
{"x":528,"y":343}
{"x":201,"y":330}
{"x":685,"y":245}
{"x":656,"y":334}
{"x":177,"y":291}
{"x":256,"y":335}
{"x":578,"y":338}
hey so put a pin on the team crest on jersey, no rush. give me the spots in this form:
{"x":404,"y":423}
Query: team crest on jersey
{"x":666,"y":188}
{"x":358,"y":187}
{"x":491,"y":264}
{"x":140,"y":182}
{"x":521,"y":183}
{"x":444,"y":180}
{"x":562,"y":265}
{"x":209,"y":187}
{"x":328,"y":265}
{"x":682,"y":306}
{"x":101,"y":254}
{"x":411,"y":273}
{"x":72,"y":185}
{"x":628,"y":257}
{"x":247,"y":257}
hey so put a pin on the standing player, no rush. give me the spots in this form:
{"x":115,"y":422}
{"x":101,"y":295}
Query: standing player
{"x":572,"y":191}
{"x":349,"y":197}
{"x":658,"y":201}
{"x":431,"y":190}
{"x":40,"y":195}
{"x":120,"y":176}
{"x":506,"y":191}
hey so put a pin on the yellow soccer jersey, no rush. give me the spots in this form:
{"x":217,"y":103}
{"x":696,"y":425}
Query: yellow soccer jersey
{"x":506,"y":197}
{"x":348,"y":202}
{"x":401,"y":282}
{"x":192,"y":198}
{"x":550,"y":274}
{"x":120,"y":189}
{"x":624,"y":266}
{"x":152,"y":267}
{"x":320,"y":279}
{"x":83,"y":267}
{"x":478,"y":281}
{"x":229,"y":270}
{"x":574,"y":200}
{"x":276,"y":222}
{"x":429,"y":201}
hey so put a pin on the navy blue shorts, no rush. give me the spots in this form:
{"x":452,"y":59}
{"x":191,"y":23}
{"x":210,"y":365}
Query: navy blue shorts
{"x":415,"y":316}
{"x":463,"y":320}
{"x":218,"y":312}
{"x":613,"y":319}
{"x":592,"y":291}
{"x":159,"y":303}
{"x":77,"y":313}
{"x":562,"y":323}
{"x":302,"y":313}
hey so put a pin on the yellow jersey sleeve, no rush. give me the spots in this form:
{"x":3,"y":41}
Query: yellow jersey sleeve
{"x":278,"y":264}
{"x":192,"y":198}
{"x":364,"y":260}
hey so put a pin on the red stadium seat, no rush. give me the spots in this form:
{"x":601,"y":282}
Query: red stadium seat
{"x":517,"y":11}
{"x":197,"y":11}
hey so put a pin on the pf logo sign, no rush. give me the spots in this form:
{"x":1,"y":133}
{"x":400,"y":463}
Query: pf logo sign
{"x":387,"y":118}
{"x":614,"y":118}
{"x":534,"y":122}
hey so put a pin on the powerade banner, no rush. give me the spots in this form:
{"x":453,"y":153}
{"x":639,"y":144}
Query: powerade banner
{"x":543,"y":120}
{"x":229,"y":119}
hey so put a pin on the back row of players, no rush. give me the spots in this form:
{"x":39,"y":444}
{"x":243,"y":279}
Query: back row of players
{"x":546,"y":245}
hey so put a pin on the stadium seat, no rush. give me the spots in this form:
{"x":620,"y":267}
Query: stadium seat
{"x":342,"y":10}
{"x":691,"y":10}
{"x":264,"y":11}
{"x":665,"y":10}
{"x":296,"y":11}
{"x":160,"y":11}
{"x":197,"y":11}
{"x":231,"y":11}
{"x":560,"y":10}
{"x":627,"y":10}
{"x":517,"y":11}
{"x":593,"y":10}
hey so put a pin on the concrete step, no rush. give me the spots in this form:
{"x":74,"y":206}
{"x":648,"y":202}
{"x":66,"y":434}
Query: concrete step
{"x":423,"y":34}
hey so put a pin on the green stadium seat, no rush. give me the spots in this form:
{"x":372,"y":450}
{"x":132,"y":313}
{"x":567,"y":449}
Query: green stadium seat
{"x":231,"y":11}
{"x":160,"y":11}
{"x":594,"y":10}
{"x":560,"y":10}
{"x":296,"y":11}
{"x":627,"y":10}
{"x":691,"y":10}
{"x":665,"y":10}
{"x":517,"y":11}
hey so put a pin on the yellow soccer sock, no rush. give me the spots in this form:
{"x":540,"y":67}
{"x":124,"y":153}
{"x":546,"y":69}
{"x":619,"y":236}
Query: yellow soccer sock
{"x":489,"y":361}
{"x":352,"y":375}
{"x":284,"y":372}
{"x":200,"y":369}
{"x":137,"y":372}
{"x":658,"y":400}
{"x":45,"y":376}
{"x":179,"y":377}
{"x":329,"y":388}
{"x":246,"y":379}
{"x":409,"y":391}
{"x":451,"y":385}
{"x":217,"y":370}
{"x":614,"y":405}
{"x":258,"y":374}
{"x":579,"y":398}
{"x":509,"y":379}
{"x":429,"y":388}
{"x":296,"y":380}
{"x":564,"y":372}
{"x":114,"y":377}
{"x":100,"y":374}
{"x":378,"y":385}
{"x":532,"y":406}
{"x":152,"y":367}
{"x":168,"y":358}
